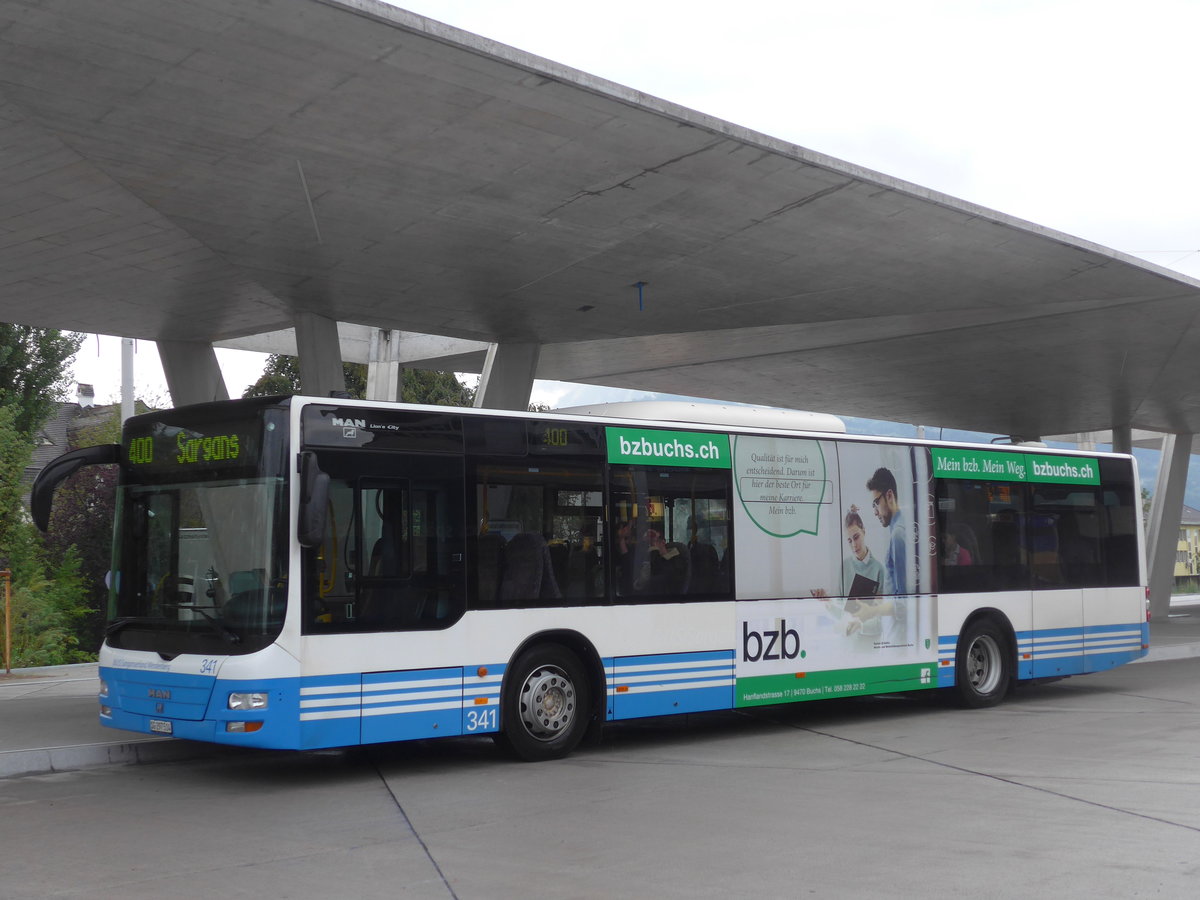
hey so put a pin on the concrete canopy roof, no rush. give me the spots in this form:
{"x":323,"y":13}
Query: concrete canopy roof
{"x":201,"y":171}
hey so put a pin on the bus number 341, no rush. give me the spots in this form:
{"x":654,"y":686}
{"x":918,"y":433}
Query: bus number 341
{"x":481,"y":719}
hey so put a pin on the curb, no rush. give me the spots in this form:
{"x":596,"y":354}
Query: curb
{"x":47,"y":760}
{"x":1168,"y":653}
{"x":51,"y":671}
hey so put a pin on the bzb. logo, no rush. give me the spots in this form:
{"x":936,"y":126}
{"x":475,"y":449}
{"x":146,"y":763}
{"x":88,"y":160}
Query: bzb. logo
{"x":780,"y":643}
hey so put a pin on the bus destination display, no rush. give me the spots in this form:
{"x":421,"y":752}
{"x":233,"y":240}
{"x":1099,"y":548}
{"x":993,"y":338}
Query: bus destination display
{"x":164,"y":446}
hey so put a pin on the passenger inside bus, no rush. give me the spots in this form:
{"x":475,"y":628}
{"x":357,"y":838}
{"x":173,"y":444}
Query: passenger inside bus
{"x":954,"y":551}
{"x":666,"y":566}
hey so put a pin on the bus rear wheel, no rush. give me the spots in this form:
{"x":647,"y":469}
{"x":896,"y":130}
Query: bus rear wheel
{"x":983,"y":666}
{"x":546,"y":704}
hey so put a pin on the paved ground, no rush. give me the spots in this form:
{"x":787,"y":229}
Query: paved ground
{"x":1086,"y":787}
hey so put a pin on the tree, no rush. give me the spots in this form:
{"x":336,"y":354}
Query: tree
{"x":33,"y":375}
{"x":435,"y":388}
{"x":49,"y":606}
{"x":47,"y":611}
{"x":81,"y":522}
{"x":15,"y":451}
{"x":281,"y":375}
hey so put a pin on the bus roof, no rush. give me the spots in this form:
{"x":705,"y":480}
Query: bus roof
{"x":732,"y":415}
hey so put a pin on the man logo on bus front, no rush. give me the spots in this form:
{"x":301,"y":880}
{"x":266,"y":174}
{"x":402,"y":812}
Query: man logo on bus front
{"x":349,"y":426}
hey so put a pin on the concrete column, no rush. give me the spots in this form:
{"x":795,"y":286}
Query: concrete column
{"x":128,"y":402}
{"x":1122,"y":439}
{"x":508,"y":374}
{"x":385,"y":375}
{"x":320,"y":355}
{"x":1166,"y":511}
{"x":192,"y":372}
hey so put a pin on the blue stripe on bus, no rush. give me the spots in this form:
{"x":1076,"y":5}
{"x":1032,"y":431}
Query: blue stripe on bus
{"x":329,"y":710}
{"x":662,"y":684}
{"x":309,"y":712}
{"x":402,"y":706}
{"x":349,"y":709}
{"x":395,"y":706}
{"x":1059,"y":652}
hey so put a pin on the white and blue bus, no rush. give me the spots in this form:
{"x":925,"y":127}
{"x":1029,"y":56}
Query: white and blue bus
{"x":306,"y":573}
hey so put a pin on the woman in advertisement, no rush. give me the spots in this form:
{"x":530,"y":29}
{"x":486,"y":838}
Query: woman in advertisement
{"x":862,"y":578}
{"x":863,"y":612}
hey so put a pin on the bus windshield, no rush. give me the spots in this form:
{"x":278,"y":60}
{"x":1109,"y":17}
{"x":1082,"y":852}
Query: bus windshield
{"x":200,"y":559}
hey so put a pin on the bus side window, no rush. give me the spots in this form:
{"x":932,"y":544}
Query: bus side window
{"x":1120,"y":519}
{"x":982,"y":536}
{"x":1078,"y":524}
{"x":329,"y":579}
{"x":392,"y":556}
{"x":671,"y":533}
{"x":537,"y":541}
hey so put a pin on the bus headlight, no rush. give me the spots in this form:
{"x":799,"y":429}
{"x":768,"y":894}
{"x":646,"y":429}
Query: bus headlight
{"x":103,"y":688}
{"x":248,"y":700}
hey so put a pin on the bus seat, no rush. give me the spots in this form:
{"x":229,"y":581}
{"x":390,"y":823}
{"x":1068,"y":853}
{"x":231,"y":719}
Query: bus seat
{"x":683,"y":580}
{"x":706,"y":568}
{"x":1078,"y":542}
{"x":1044,"y":549}
{"x":386,"y":555}
{"x":528,"y":571}
{"x":247,"y":580}
{"x":560,"y":553}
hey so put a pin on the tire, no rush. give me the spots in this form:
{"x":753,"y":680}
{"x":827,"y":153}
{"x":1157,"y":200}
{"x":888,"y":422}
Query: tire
{"x":546,"y":705}
{"x":983,"y":665}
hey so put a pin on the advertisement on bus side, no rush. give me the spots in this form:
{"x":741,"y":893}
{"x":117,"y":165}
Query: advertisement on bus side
{"x":834,"y":544}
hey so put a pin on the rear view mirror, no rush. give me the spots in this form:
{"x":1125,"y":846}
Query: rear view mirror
{"x":59,"y":470}
{"x":314,"y":500}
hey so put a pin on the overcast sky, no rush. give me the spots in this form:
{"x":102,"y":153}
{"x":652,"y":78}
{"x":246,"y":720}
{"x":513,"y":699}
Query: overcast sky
{"x":1078,"y":116}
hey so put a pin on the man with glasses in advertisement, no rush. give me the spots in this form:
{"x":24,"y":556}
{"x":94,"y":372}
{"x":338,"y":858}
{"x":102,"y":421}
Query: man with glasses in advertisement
{"x":884,"y":501}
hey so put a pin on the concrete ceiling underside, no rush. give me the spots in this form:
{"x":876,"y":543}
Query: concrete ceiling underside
{"x":202,"y":171}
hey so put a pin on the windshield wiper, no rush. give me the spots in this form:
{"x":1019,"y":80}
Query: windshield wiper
{"x":222,"y":629}
{"x":117,"y":624}
{"x":217,"y":625}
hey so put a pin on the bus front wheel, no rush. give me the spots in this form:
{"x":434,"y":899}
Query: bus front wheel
{"x":546,"y":703}
{"x":983,"y":667}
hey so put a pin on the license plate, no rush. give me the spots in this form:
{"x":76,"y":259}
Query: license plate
{"x":160,"y":726}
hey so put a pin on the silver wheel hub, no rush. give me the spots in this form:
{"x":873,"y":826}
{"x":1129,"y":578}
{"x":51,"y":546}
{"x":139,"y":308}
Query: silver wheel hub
{"x":983,"y":664}
{"x":547,"y":702}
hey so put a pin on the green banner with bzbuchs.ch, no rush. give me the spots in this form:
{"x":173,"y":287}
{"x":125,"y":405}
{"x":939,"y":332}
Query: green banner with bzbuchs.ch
{"x":999,"y":465}
{"x":647,"y":446}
